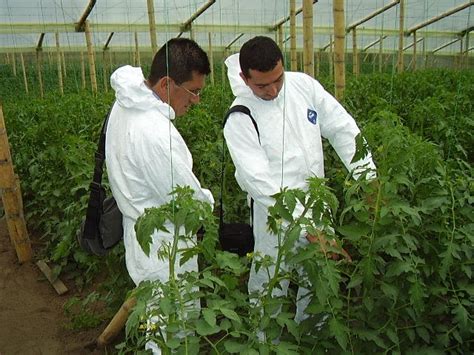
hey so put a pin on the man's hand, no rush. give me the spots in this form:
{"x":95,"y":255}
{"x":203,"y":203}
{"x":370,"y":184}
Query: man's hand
{"x":320,"y":239}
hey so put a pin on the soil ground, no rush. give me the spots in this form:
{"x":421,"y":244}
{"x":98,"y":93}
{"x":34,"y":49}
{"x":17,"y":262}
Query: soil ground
{"x":32,"y":319}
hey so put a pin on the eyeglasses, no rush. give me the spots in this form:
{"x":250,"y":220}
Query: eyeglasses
{"x":194,"y":93}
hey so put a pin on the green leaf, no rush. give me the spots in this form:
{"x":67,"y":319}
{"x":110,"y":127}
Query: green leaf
{"x":173,"y":343}
{"x":423,"y":333}
{"x":339,"y":331}
{"x":204,"y":328}
{"x":355,"y":281}
{"x":390,"y":290}
{"x":234,"y":347}
{"x":230,"y":314}
{"x":209,"y":316}
{"x":461,"y":315}
{"x":354,"y":231}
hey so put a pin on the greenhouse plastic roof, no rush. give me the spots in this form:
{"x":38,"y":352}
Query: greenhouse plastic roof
{"x":22,"y":21}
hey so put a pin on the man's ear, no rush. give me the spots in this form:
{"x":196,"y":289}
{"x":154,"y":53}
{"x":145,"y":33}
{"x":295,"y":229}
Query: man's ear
{"x":161,"y":87}
{"x":244,"y":78}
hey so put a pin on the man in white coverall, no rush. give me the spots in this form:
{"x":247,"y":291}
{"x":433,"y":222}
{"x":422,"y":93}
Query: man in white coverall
{"x":292,"y":112}
{"x":146,"y":155}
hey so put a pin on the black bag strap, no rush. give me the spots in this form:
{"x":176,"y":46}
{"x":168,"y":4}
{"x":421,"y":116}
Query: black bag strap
{"x":96,"y":191}
{"x":245,"y":110}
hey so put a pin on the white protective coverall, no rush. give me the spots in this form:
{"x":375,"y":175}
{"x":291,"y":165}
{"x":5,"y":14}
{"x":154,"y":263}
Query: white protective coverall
{"x":290,"y":150}
{"x":146,"y":158}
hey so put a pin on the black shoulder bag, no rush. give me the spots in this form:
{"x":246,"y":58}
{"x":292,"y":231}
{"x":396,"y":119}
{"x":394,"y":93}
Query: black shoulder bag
{"x":102,"y":227}
{"x":235,"y":237}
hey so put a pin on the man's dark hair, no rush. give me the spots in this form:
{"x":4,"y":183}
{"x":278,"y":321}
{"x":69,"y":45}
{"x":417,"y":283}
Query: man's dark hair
{"x":260,"y":53}
{"x":179,"y":58}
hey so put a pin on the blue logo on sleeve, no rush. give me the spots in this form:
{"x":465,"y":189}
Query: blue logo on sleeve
{"x":312,"y":116}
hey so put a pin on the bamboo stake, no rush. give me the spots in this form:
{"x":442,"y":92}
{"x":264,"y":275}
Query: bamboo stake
{"x":280,"y":37}
{"x":308,"y":54}
{"x":25,"y":81}
{"x":414,"y":51}
{"x":339,"y":39}
{"x":355,"y":55}
{"x":331,"y":56}
{"x":318,"y":62}
{"x":83,"y":71}
{"x":91,"y":57}
{"x":400,"y":36}
{"x":11,"y":201}
{"x":58,"y":285}
{"x":137,"y":51}
{"x":14,"y":64}
{"x":211,"y":57}
{"x":104,"y":71}
{"x":151,"y":19}
{"x":39,"y":62}
{"x":293,"y":63}
{"x":64,"y":64}
{"x":60,"y":72}
{"x":381,"y":54}
{"x":117,"y":322}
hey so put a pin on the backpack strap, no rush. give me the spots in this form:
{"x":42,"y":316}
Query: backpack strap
{"x":245,"y":110}
{"x":96,"y":191}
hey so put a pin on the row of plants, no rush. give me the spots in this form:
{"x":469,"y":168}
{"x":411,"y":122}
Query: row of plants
{"x":410,"y":235}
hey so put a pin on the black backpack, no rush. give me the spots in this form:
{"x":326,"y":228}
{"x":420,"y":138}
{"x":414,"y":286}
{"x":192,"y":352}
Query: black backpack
{"x":102,"y":227}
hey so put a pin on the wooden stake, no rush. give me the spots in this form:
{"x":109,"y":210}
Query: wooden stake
{"x":211,"y":57}
{"x":91,"y":57}
{"x":400,"y":36}
{"x":137,"y":51}
{"x":381,"y":54}
{"x":25,"y":81}
{"x":64,"y":64}
{"x":60,"y":71}
{"x":279,"y":37}
{"x":39,"y":65}
{"x":83,"y":71}
{"x":14,"y":64}
{"x":104,"y":71}
{"x":55,"y":282}
{"x":331,"y":56}
{"x":308,"y":54}
{"x":117,"y":322}
{"x":414,"y":51}
{"x":151,"y":19}
{"x":355,"y":55}
{"x":11,"y":202}
{"x":293,"y":56}
{"x":339,"y":39}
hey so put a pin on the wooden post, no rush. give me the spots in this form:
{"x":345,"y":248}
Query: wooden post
{"x":318,"y":62}
{"x":339,"y":39}
{"x":400,"y":36}
{"x":279,"y":37}
{"x":137,"y":52}
{"x":60,"y":72}
{"x":117,"y":322}
{"x":211,"y":57}
{"x":381,"y":54}
{"x":14,"y":64}
{"x":83,"y":71}
{"x":151,"y":19}
{"x":64,"y":64}
{"x":25,"y":81}
{"x":355,"y":55}
{"x":39,"y":65}
{"x":414,"y":51}
{"x":11,"y":199}
{"x":331,"y":56}
{"x":308,"y":54}
{"x":104,"y":70}
{"x":91,"y":57}
{"x":293,"y":57}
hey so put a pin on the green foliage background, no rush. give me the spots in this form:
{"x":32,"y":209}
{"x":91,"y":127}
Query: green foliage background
{"x":409,"y":288}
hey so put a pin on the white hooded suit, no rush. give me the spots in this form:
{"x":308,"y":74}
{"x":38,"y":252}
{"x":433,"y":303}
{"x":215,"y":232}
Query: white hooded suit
{"x":146,"y":158}
{"x":287,"y":151}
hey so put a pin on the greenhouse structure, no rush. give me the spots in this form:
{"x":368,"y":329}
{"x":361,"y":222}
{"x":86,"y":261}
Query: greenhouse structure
{"x":357,"y":158}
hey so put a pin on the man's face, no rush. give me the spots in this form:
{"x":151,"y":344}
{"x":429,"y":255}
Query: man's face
{"x":265,"y":85}
{"x":186,"y":94}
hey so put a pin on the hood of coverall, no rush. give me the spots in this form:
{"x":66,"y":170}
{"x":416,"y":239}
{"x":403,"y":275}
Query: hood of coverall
{"x":237,"y":84}
{"x":132,"y":92}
